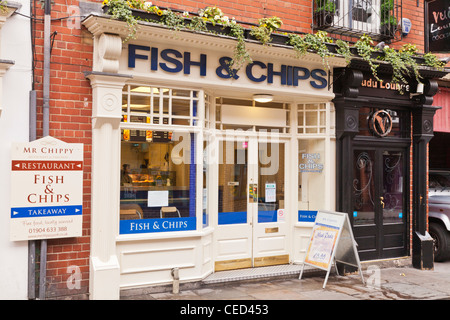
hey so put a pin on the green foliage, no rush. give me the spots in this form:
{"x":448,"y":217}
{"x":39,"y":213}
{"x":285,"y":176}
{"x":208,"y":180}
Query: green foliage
{"x":121,"y":10}
{"x":432,"y":61}
{"x":386,"y":9}
{"x":365,"y":49}
{"x":265,"y":29}
{"x":344,"y":50}
{"x":403,"y":61}
{"x":325,"y":5}
{"x":198,"y":24}
{"x":240,"y":55}
{"x":316,"y":42}
{"x":172,"y":20}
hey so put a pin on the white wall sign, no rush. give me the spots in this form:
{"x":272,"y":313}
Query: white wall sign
{"x":46,"y":189}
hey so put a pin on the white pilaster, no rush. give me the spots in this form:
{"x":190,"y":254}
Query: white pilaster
{"x":105,"y":198}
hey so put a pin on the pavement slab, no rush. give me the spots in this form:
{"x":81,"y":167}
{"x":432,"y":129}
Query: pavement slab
{"x":387,"y":283}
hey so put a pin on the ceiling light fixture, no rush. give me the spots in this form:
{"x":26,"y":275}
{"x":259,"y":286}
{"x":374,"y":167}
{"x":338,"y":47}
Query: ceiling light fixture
{"x":262,"y":97}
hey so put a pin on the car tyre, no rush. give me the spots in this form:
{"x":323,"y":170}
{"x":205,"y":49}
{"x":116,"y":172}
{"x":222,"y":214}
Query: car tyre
{"x":441,"y":238}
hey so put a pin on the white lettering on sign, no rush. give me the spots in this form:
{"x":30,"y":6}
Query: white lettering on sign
{"x":311,"y":163}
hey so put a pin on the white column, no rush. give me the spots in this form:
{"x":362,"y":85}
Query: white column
{"x":105,"y":197}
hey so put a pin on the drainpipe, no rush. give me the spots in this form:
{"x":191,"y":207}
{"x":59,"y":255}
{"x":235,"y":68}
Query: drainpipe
{"x":45,"y":127}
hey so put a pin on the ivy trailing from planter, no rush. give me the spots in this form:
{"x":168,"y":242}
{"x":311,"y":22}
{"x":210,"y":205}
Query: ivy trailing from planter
{"x":403,"y":61}
{"x":121,"y":10}
{"x":266,"y":27}
{"x":310,"y":41}
{"x":240,"y":55}
{"x":365,"y":50}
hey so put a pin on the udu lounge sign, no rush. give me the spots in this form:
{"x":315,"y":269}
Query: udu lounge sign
{"x":46,"y":189}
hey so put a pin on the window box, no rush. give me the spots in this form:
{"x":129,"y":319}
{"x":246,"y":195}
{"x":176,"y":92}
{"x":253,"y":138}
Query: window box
{"x":141,"y":15}
{"x":218,"y":28}
{"x":277,"y":38}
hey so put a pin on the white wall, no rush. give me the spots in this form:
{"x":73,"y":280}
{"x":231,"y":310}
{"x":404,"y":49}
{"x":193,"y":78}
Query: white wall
{"x":16,"y":46}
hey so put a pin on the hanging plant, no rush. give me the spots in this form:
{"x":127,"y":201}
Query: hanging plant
{"x":266,"y":27}
{"x":403,"y":61}
{"x":121,"y":10}
{"x":344,"y":50}
{"x":365,"y":50}
{"x":240,"y":55}
{"x":197,"y":24}
{"x":316,"y":42}
{"x":432,"y":60}
{"x":172,"y":20}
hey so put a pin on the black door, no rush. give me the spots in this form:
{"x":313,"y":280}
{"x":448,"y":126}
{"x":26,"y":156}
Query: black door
{"x":379,"y":197}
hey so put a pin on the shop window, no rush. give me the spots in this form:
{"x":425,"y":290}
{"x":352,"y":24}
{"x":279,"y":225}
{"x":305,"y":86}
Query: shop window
{"x":158,"y":181}
{"x":400,"y":122}
{"x":249,"y":115}
{"x":311,"y":178}
{"x":312,"y":118}
{"x":157,"y":105}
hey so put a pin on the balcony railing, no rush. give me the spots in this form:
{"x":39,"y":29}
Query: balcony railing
{"x":380,"y":19}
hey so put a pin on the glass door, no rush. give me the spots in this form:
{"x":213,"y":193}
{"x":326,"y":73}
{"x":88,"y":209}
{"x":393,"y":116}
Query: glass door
{"x":379,"y":202}
{"x":251,"y":217}
{"x":270,"y":231}
{"x":233,"y":234}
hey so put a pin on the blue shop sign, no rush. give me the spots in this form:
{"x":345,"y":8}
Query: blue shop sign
{"x":157,"y":225}
{"x":48,"y":211}
{"x":174,"y":61}
{"x":307,"y":215}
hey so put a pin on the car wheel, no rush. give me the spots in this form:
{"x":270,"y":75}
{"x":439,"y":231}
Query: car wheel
{"x":441,"y":239}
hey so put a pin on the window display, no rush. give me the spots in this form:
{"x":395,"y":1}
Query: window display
{"x":311,"y":178}
{"x":157,"y":181}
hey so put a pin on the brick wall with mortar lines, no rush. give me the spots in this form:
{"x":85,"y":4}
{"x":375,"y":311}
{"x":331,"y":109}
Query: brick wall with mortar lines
{"x":71,"y":101}
{"x":70,"y":120}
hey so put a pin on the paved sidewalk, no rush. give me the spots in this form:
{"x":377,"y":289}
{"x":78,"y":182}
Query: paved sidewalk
{"x":390,"y":283}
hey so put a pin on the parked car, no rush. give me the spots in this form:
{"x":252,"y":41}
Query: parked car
{"x":439,"y":212}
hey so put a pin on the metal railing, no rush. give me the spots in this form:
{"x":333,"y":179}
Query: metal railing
{"x":380,"y":19}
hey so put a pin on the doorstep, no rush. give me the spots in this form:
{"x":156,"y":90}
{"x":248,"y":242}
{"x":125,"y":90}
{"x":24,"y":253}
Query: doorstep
{"x":255,"y":273}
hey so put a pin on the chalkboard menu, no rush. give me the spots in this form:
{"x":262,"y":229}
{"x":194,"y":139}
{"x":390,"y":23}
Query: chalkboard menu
{"x":437,"y":23}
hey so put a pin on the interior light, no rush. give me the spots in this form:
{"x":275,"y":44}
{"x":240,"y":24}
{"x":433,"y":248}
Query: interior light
{"x":142,"y":89}
{"x":262,"y":97}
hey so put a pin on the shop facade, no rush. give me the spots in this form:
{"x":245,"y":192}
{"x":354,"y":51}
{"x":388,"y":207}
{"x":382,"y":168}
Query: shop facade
{"x":382,"y":137}
{"x":188,"y":170}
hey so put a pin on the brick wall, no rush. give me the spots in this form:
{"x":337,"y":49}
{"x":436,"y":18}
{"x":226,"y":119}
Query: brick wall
{"x":70,"y":121}
{"x":71,"y":101}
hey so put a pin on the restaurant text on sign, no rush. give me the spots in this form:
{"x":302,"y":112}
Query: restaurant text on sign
{"x":46,"y":189}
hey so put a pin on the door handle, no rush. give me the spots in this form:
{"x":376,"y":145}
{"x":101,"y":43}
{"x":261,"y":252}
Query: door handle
{"x":381,"y":201}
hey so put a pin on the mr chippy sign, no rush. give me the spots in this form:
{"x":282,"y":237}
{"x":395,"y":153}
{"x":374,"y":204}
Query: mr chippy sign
{"x":46,"y":189}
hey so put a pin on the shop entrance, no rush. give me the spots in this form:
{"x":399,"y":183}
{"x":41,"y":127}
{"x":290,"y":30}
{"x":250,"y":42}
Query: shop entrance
{"x":379,"y":196}
{"x":251,"y":227}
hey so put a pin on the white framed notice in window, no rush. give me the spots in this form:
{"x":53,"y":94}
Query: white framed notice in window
{"x":158,"y":198}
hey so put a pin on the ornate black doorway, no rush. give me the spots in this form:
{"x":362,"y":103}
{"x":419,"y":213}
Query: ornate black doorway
{"x":379,"y":201}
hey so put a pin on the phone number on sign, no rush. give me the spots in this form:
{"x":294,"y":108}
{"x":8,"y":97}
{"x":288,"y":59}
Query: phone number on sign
{"x":48,"y":229}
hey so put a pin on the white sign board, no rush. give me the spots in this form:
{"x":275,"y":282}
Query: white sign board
{"x":46,"y":189}
{"x":331,"y":241}
{"x":158,"y":198}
